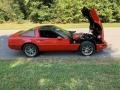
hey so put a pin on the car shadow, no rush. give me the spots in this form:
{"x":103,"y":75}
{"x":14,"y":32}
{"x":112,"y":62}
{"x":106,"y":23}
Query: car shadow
{"x":7,"y":53}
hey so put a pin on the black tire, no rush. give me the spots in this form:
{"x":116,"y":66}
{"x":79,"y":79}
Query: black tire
{"x":30,"y":50}
{"x":87,"y":48}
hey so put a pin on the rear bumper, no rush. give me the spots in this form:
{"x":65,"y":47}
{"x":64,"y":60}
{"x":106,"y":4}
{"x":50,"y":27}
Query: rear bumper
{"x":12,"y":44}
{"x":101,"y":46}
{"x":14,"y":47}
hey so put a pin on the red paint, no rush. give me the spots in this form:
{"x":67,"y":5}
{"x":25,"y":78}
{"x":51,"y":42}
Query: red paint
{"x":44,"y":44}
{"x":47,"y":44}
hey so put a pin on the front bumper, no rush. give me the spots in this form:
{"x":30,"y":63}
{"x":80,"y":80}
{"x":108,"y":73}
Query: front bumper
{"x":101,"y":46}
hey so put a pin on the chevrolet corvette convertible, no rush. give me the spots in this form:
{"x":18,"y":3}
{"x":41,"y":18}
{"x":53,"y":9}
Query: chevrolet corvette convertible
{"x":50,"y":38}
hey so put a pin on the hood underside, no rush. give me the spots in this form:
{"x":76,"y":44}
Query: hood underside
{"x":94,"y":20}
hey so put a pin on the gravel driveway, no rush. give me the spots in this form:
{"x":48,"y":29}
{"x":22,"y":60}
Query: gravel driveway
{"x":112,"y":36}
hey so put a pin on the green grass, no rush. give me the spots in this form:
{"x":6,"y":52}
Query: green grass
{"x":60,"y":74}
{"x":28,"y":25}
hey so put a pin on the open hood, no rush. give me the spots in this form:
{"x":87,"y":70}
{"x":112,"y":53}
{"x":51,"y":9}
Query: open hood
{"x":95,"y":22}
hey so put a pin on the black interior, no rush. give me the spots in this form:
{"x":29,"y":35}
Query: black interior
{"x":48,"y":34}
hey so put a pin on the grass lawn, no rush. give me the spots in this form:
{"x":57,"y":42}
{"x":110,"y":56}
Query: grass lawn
{"x":60,"y":74}
{"x":66,"y":26}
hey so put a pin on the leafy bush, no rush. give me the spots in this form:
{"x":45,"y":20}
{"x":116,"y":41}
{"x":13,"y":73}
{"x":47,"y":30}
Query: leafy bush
{"x":57,"y":11}
{"x":3,"y":17}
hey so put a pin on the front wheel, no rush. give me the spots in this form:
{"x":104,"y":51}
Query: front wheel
{"x":87,"y":48}
{"x":30,"y":50}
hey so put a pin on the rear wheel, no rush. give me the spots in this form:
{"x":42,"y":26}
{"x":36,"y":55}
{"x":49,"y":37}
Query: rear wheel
{"x":30,"y":50}
{"x":87,"y":48}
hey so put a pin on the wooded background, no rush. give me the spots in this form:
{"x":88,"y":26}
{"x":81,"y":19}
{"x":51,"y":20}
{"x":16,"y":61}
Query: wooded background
{"x":57,"y":11}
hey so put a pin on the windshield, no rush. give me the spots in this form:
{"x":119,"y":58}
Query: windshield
{"x":64,"y":32}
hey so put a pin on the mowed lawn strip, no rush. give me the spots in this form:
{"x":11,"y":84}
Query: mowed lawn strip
{"x":60,"y":74}
{"x":15,"y":26}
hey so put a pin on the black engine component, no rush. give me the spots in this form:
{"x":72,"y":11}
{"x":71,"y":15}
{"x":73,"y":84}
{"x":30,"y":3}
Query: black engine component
{"x":87,"y":37}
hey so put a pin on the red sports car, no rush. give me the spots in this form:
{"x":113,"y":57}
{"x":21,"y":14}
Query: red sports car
{"x":52,"y":38}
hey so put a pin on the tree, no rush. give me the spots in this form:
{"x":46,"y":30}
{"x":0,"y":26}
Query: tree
{"x":57,"y":11}
{"x":23,"y":7}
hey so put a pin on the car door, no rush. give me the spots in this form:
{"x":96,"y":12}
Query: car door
{"x":51,"y":41}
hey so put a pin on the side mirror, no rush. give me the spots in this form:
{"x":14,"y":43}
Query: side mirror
{"x":59,"y":38}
